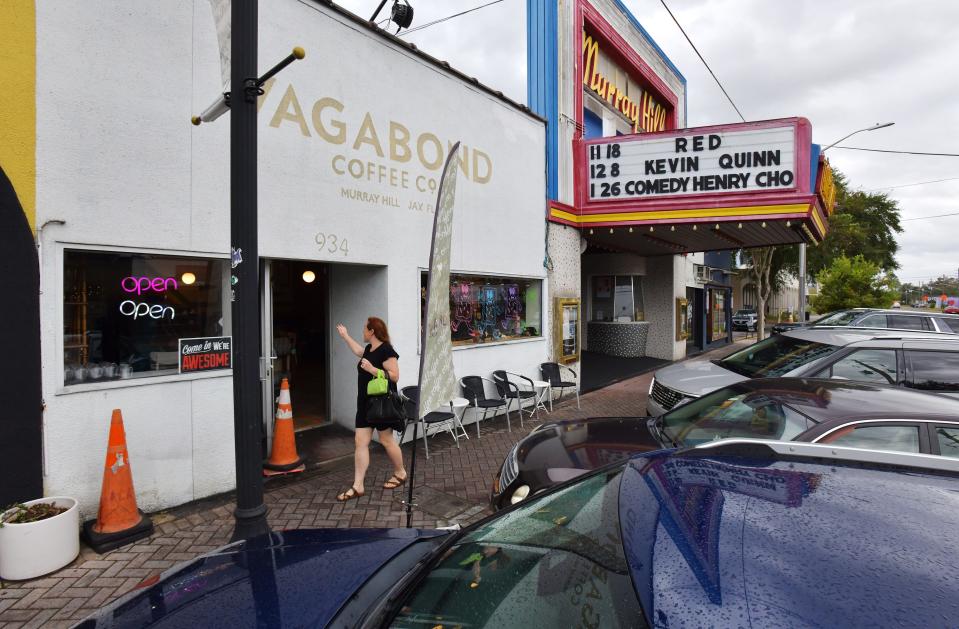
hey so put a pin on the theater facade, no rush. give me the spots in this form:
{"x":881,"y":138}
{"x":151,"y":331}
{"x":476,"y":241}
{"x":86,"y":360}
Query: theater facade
{"x":645,"y":213}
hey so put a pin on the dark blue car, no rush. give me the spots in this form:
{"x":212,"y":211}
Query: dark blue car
{"x":736,"y":533}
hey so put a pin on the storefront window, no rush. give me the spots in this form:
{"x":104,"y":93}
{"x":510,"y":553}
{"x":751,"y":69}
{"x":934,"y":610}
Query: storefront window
{"x":123,"y":313}
{"x":618,"y":298}
{"x":489,"y":309}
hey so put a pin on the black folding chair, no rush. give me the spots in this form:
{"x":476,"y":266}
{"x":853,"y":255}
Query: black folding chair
{"x":411,"y":396}
{"x":475,"y":391}
{"x":552,"y":373}
{"x":511,"y":391}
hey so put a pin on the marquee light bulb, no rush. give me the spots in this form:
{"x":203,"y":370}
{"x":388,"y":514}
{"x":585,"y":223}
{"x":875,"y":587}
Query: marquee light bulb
{"x":188,"y":278}
{"x":309,"y":276}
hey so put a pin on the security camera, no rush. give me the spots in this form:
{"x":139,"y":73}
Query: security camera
{"x":219,"y":107}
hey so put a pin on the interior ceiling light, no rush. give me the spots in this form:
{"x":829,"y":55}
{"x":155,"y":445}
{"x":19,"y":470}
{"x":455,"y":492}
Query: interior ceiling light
{"x":188,"y":278}
{"x":309,"y":276}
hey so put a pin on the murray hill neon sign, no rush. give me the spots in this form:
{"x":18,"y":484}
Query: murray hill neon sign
{"x":646,"y":115}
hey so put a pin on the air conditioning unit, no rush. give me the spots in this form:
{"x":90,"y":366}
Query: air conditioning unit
{"x":702,"y":273}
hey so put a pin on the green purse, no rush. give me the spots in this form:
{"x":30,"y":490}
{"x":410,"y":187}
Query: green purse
{"x":378,"y":385}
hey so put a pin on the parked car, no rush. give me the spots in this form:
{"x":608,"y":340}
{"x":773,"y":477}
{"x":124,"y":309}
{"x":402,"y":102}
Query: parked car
{"x":841,"y":412}
{"x":891,"y":319}
{"x":918,"y":360}
{"x":896,"y":305}
{"x":745,"y":319}
{"x":736,"y":533}
{"x":951,"y":310}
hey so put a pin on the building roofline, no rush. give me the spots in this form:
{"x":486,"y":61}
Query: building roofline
{"x":439,"y":63}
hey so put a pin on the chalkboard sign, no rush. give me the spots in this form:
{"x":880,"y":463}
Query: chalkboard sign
{"x":206,"y":354}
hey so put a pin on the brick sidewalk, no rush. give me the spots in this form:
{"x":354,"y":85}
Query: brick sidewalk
{"x":454,"y":487}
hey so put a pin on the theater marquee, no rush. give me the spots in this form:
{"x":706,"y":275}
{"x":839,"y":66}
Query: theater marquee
{"x":700,"y":189}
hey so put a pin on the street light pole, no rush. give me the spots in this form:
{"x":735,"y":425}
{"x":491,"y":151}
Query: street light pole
{"x":802,"y":245}
{"x":250,"y":510}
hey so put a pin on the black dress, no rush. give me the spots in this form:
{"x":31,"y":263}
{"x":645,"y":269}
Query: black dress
{"x":376,"y":357}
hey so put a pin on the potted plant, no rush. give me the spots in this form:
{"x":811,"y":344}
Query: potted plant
{"x":38,"y":537}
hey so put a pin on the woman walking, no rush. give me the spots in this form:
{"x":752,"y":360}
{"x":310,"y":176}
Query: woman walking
{"x":377,"y":355}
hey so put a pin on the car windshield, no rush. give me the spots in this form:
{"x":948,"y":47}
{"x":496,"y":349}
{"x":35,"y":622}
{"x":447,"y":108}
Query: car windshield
{"x":744,"y":313}
{"x":841,"y":318}
{"x":556,"y":561}
{"x":775,"y":356}
{"x":727,"y":414}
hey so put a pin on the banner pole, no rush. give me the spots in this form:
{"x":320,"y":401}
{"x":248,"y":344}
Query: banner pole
{"x":442,"y":210}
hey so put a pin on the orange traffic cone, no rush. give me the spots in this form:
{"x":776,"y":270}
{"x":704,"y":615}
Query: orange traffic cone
{"x":119,"y":521}
{"x":283,"y":459}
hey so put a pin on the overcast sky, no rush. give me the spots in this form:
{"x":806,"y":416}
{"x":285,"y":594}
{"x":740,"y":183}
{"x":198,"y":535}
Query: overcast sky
{"x":842,"y":65}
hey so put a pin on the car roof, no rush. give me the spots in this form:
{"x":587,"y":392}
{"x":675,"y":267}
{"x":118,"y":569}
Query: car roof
{"x":906,"y":312}
{"x":826,"y":399}
{"x":843,"y":336}
{"x":838,"y":538}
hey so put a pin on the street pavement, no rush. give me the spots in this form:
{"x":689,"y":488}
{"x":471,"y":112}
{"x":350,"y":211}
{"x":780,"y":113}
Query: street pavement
{"x":452,"y":487}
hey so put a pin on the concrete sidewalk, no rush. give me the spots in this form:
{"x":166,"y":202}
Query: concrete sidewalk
{"x":452,"y":486}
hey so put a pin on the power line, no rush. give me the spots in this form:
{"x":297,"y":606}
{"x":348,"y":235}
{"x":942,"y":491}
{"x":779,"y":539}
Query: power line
{"x":856,"y":148}
{"x":448,"y":17}
{"x":703,"y":60}
{"x":919,"y":218}
{"x":907,"y":185}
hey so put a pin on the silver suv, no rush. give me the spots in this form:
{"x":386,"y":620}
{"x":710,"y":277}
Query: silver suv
{"x":876,"y":318}
{"x":923,"y":361}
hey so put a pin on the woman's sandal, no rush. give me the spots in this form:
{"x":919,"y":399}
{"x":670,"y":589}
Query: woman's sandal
{"x":349,"y":494}
{"x":395,"y":481}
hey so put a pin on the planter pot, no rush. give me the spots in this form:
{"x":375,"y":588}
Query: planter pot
{"x":33,"y":549}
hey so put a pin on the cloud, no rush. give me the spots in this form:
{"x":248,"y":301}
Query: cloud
{"x":842,"y":65}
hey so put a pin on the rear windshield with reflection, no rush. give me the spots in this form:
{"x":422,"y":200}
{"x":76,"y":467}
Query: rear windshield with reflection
{"x":775,"y":356}
{"x":556,"y":561}
{"x":841,"y":318}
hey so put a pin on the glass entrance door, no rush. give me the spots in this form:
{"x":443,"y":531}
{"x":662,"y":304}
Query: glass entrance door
{"x":266,"y":350}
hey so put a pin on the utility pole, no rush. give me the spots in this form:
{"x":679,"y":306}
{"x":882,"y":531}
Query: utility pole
{"x":250,"y":510}
{"x":802,"y":282}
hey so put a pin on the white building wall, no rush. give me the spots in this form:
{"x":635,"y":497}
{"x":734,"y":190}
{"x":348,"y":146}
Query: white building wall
{"x":119,"y":162}
{"x":665,"y":285}
{"x":570,"y":274}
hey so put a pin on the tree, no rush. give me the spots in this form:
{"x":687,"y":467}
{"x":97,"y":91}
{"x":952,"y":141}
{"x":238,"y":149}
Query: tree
{"x":863,"y":224}
{"x":944,"y":285}
{"x":851,"y":283}
{"x":760,"y":267}
{"x":909,"y":293}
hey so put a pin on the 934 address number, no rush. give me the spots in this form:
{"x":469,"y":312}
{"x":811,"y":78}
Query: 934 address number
{"x":332,"y":243}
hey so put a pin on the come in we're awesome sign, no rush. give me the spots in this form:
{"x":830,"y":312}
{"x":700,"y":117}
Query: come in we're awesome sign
{"x":748,"y":160}
{"x":206,"y":354}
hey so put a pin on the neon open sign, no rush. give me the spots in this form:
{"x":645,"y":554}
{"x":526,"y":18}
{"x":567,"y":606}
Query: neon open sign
{"x":141,"y":285}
